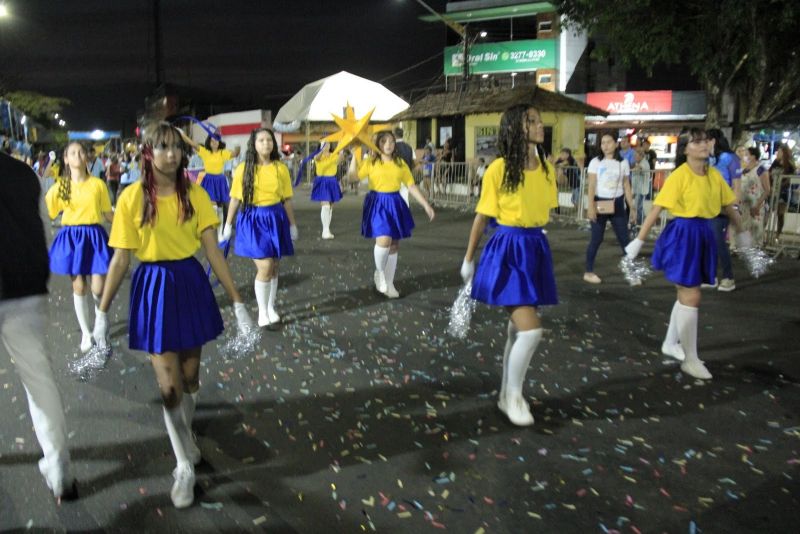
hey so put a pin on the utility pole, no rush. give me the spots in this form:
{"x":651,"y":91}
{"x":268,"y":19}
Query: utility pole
{"x":461,"y":30}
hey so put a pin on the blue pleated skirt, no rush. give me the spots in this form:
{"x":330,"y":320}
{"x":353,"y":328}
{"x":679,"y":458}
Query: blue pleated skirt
{"x":80,"y":250}
{"x":217,"y":187}
{"x":516,"y":269}
{"x":687,"y":252}
{"x":386,"y":214}
{"x":326,"y":189}
{"x":263,"y":232}
{"x":172,"y":307}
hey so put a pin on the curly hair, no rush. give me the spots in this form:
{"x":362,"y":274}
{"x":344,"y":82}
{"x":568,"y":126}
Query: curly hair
{"x":250,"y":162}
{"x":513,"y":145}
{"x":155,"y":135}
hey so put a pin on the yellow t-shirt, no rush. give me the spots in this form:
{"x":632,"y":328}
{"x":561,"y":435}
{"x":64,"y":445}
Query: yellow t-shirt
{"x":214,"y":162}
{"x":167,"y":239}
{"x":88,"y":201}
{"x":686,"y":194}
{"x":527,"y":207}
{"x":385,"y":177}
{"x":272,"y":184}
{"x":326,"y":166}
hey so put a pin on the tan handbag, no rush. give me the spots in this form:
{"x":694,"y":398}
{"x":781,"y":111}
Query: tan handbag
{"x":604,"y":207}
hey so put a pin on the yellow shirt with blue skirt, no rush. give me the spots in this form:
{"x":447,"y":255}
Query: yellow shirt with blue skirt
{"x":81,"y":246}
{"x":262,"y":228}
{"x":686,"y":249}
{"x":326,"y":186}
{"x":172,"y":306}
{"x":214,"y":181}
{"x":516,"y":265}
{"x":385,"y":212}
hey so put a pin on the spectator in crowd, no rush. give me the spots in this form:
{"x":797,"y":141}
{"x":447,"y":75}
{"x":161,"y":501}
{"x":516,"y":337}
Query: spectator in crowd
{"x":641,"y":182}
{"x":782,"y":167}
{"x":626,"y":150}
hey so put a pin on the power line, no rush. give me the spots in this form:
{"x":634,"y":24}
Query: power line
{"x":414,"y":66}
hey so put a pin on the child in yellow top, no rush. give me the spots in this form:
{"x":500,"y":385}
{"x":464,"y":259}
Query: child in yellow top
{"x":686,"y":250}
{"x":80,"y":249}
{"x":516,"y":266}
{"x":265,"y":227}
{"x":164,"y":220}
{"x":326,"y":189}
{"x":386,"y":216}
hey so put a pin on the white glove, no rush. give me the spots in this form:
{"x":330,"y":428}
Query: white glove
{"x":243,"y":320}
{"x":294,"y":233}
{"x":744,"y":240}
{"x":633,"y":248}
{"x":100,"y":332}
{"x":226,"y":233}
{"x":467,"y":270}
{"x":52,"y":155}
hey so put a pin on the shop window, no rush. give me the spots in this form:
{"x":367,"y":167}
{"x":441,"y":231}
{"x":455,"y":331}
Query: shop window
{"x":545,"y":78}
{"x":546,"y":26}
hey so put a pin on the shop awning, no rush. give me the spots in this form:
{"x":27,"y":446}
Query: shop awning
{"x":494,"y":13}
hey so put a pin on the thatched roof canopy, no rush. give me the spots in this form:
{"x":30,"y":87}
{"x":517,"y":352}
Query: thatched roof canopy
{"x":492,"y":101}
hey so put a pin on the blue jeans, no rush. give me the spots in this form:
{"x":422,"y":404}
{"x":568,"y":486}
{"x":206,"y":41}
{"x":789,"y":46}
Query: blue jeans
{"x":619,"y":222}
{"x":639,"y":201}
{"x":720,"y":226}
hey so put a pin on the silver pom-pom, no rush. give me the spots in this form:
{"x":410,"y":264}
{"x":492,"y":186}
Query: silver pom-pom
{"x":635,"y":271}
{"x":88,"y":366}
{"x":757,"y":261}
{"x":461,"y":312}
{"x":240,"y":345}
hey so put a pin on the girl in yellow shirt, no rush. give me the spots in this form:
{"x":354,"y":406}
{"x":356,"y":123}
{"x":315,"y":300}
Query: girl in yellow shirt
{"x":80,"y":249}
{"x":686,"y":249}
{"x":326,"y":187}
{"x":386,"y":216}
{"x":265,"y":227}
{"x":164,"y":220}
{"x":516,"y":266}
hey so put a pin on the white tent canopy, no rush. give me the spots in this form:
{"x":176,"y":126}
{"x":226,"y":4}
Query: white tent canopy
{"x":317,"y":100}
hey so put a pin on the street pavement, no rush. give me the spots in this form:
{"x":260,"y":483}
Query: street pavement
{"x":361,"y":414}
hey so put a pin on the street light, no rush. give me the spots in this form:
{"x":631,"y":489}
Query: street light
{"x":4,"y":10}
{"x":459,"y":29}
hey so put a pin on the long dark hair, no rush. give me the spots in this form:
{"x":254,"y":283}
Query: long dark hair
{"x":250,"y":162}
{"x":686,"y":137}
{"x":783,"y":157}
{"x":207,"y":144}
{"x":600,"y":154}
{"x":154,"y":135}
{"x":65,"y":183}
{"x":379,"y":141}
{"x":513,"y":145}
{"x":721,"y":144}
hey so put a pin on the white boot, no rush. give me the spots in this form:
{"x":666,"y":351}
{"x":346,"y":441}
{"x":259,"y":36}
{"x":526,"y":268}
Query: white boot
{"x":262,"y":290}
{"x":686,"y":318}
{"x":326,"y":214}
{"x":519,"y":358}
{"x":671,"y":345}
{"x":182,"y":493}
{"x":511,"y":332}
{"x":81,"y":303}
{"x":381,"y":255}
{"x":271,"y":313}
{"x":391,"y":269}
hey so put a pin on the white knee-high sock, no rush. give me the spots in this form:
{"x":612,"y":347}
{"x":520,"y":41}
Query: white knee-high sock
{"x":672,"y":330}
{"x":686,"y":324}
{"x":178,"y":432}
{"x":391,"y":269}
{"x":325,"y":215}
{"x":189,"y":405}
{"x":96,"y":302}
{"x":512,"y":336}
{"x":262,"y":290}
{"x":381,"y":257}
{"x":81,"y":303}
{"x":272,"y":294}
{"x":519,"y":358}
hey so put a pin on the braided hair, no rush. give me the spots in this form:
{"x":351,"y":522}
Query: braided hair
{"x":513,"y":145}
{"x":65,"y":182}
{"x":156,"y":135}
{"x":250,"y":163}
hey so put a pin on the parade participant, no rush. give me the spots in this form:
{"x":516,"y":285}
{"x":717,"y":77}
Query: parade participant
{"x":729,"y":166}
{"x":265,"y":226}
{"x":686,"y":249}
{"x":23,"y":317}
{"x":609,"y":191}
{"x":386,"y":217}
{"x":214,"y":155}
{"x":326,"y":187}
{"x":80,"y":249}
{"x":516,"y":267}
{"x":164,"y":219}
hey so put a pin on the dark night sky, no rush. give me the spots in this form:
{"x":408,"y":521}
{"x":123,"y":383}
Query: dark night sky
{"x":99,"y":53}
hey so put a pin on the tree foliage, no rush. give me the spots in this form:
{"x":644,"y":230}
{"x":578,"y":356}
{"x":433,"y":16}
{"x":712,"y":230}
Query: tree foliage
{"x":40,"y":107}
{"x":747,"y":50}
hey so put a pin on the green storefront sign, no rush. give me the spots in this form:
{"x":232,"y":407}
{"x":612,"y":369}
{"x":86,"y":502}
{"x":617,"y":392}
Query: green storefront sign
{"x":508,"y":56}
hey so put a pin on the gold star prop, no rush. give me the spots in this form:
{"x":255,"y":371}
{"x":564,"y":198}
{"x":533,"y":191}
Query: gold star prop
{"x":354,"y":130}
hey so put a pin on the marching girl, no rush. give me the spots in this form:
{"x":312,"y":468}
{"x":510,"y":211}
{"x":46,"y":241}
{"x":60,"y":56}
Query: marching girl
{"x":214,"y":155}
{"x":265,"y":227}
{"x":326,"y":187}
{"x":686,"y":250}
{"x":80,"y":249}
{"x":164,"y":219}
{"x":516,"y":266}
{"x":386,"y":217}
